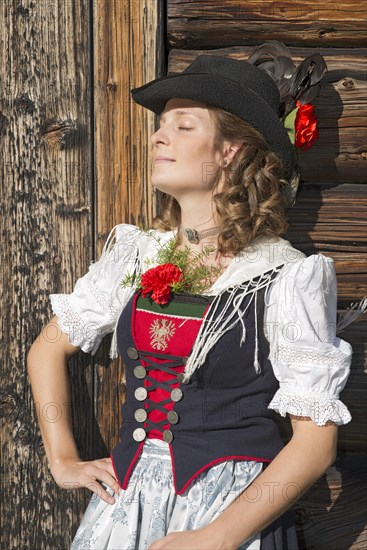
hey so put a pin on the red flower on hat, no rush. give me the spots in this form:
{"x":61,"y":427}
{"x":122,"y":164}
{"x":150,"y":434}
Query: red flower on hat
{"x":159,"y":281}
{"x":305,"y":126}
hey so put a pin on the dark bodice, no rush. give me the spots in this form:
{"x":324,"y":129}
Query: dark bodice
{"x":220,"y":414}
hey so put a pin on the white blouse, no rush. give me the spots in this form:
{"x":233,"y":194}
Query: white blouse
{"x":310,"y":362}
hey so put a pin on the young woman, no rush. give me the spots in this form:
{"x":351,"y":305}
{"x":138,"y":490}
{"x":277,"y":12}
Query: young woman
{"x":220,"y":322}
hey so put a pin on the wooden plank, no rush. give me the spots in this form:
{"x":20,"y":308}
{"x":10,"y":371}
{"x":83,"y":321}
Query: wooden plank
{"x":331,"y":515}
{"x":46,"y":245}
{"x":126,"y":56}
{"x":212,"y":24}
{"x":332,"y":220}
{"x":340,"y":153}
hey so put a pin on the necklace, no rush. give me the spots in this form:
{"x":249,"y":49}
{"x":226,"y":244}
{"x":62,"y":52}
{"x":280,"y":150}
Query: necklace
{"x":194,"y":236}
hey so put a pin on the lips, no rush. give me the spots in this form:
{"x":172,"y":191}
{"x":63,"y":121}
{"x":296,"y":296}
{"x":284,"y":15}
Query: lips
{"x":163,"y":159}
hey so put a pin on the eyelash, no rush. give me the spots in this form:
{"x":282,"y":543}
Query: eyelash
{"x":180,"y":128}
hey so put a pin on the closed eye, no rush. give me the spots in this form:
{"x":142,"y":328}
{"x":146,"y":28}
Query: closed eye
{"x":183,"y":128}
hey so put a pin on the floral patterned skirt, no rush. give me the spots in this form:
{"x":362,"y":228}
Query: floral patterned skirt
{"x":149,"y":508}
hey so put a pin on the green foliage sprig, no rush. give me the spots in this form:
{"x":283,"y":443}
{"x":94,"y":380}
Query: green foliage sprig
{"x":197,"y":275}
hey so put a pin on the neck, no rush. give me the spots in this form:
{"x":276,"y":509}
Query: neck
{"x":198,"y":214}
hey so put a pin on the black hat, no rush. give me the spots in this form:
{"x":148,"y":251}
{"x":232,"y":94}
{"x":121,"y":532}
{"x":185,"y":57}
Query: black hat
{"x":236,"y":86}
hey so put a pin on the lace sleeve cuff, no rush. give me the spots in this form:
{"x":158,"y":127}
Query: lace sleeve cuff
{"x":81,"y":333}
{"x":320,"y":407}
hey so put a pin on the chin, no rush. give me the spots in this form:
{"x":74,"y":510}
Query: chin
{"x":164,"y":186}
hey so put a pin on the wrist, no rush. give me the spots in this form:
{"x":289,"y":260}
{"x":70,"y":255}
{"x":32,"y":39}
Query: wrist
{"x":57,"y":454}
{"x":60,"y":460}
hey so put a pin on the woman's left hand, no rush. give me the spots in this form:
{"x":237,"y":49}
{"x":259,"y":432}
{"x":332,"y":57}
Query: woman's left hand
{"x":198,"y":539}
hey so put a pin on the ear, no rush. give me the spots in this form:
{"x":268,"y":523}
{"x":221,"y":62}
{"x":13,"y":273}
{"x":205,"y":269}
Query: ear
{"x":230,"y":150}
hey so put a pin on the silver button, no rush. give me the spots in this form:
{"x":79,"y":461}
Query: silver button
{"x":139,"y":434}
{"x":184,"y":360}
{"x":176,"y":394}
{"x":140,"y":415}
{"x":172,"y":417}
{"x":139,"y":372}
{"x":167,"y":436}
{"x":180,"y":378}
{"x":140,"y":394}
{"x":132,"y":353}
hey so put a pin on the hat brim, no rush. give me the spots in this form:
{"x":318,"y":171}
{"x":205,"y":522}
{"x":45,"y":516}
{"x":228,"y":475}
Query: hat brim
{"x":226,"y":94}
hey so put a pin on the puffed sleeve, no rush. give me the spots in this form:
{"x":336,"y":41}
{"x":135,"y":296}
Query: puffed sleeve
{"x":92,"y":309}
{"x":310,"y":362}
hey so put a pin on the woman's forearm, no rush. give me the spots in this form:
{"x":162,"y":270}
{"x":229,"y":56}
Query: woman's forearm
{"x":294,"y":470}
{"x":47,"y":368}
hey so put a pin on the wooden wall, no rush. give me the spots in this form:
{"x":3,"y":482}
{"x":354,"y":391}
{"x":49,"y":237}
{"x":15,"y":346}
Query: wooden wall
{"x":46,"y":239}
{"x":330,"y":213}
{"x":73,"y":163}
{"x":75,"y":160}
{"x":222,"y":23}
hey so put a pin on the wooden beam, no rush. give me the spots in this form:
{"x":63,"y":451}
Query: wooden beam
{"x":218,"y":24}
{"x":331,"y":219}
{"x":128,"y":52}
{"x":331,"y":515}
{"x":128,"y":49}
{"x":45,"y":227}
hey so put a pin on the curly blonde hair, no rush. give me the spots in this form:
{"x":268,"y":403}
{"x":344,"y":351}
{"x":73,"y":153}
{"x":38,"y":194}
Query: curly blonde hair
{"x":251,"y":204}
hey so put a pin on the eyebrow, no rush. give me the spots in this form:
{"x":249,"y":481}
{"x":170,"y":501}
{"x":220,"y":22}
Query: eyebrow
{"x":178,"y":112}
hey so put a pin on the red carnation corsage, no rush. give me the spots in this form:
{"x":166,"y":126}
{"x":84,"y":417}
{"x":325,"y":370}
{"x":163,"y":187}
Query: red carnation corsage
{"x":158,"y":281}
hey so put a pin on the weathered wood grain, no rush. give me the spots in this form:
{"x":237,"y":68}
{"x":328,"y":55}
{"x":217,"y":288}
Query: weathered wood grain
{"x":331,"y":515}
{"x":332,"y":220}
{"x":126,"y":56}
{"x":76,"y":160}
{"x":45,"y":246}
{"x":212,"y":24}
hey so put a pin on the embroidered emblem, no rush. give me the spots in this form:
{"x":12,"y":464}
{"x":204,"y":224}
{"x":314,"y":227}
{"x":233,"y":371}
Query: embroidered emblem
{"x":161,"y":331}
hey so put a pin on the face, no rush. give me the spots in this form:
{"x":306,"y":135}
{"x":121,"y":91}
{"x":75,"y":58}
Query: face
{"x":183,"y":155}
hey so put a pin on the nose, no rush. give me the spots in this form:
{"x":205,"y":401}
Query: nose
{"x":159,"y":136}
